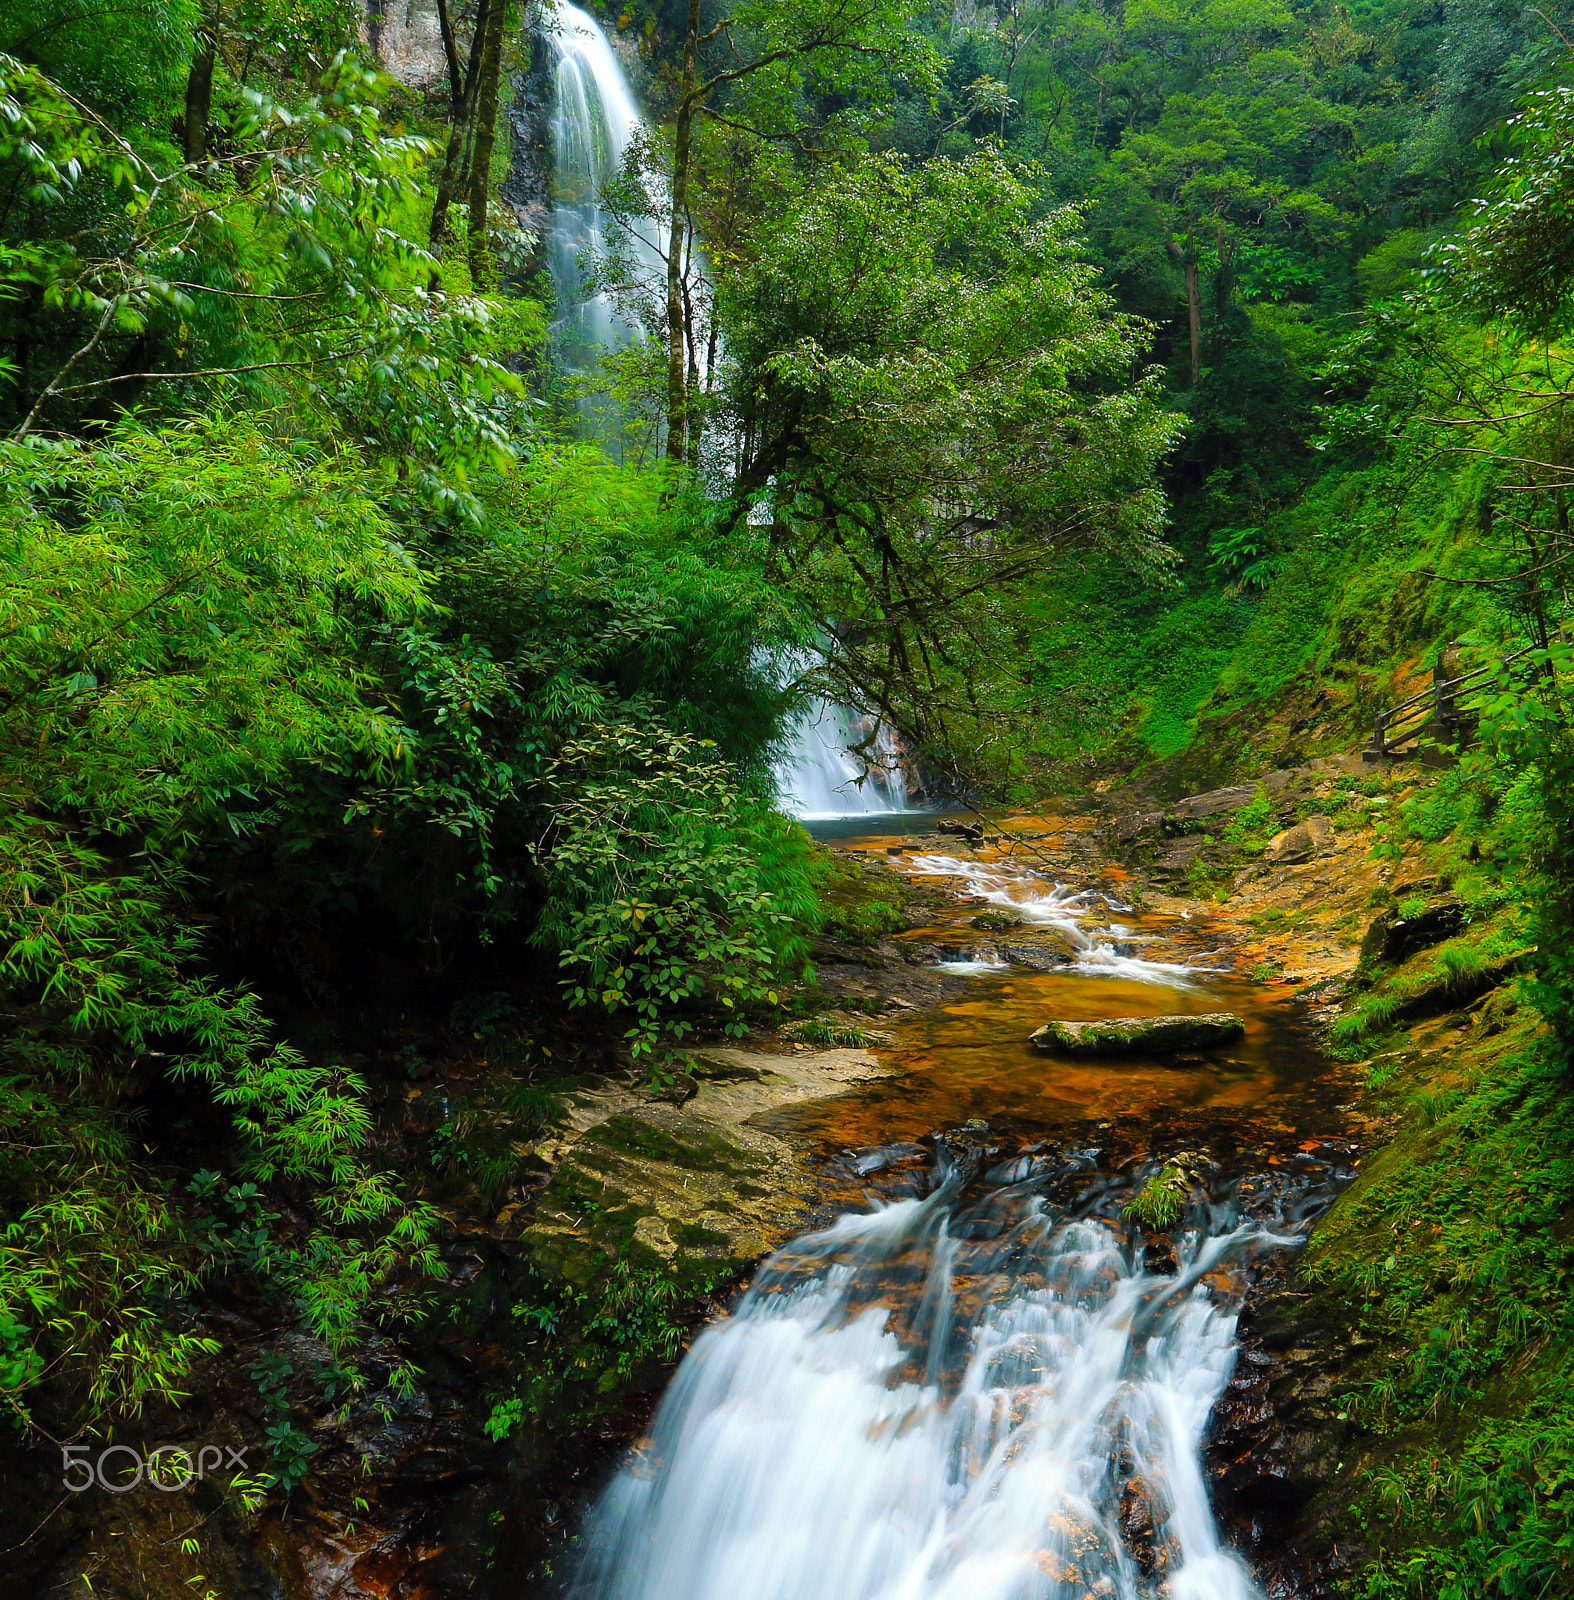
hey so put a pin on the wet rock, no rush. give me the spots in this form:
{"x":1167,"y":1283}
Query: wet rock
{"x":996,"y":921}
{"x":876,"y":1158}
{"x":1036,"y":958}
{"x":1280,"y":1442}
{"x":1130,"y":1035}
{"x":1158,"y":1256}
{"x":1393,"y":938}
{"x":1142,"y":1507}
{"x":1020,"y":1169}
{"x":1044,"y":950}
{"x":895,"y":975}
{"x":1300,"y":843}
{"x":973,"y":832}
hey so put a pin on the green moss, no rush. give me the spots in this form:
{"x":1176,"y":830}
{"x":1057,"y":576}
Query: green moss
{"x":1451,"y":1254}
{"x":695,"y":1152}
{"x":694,"y":1236}
{"x":996,"y":921}
{"x":862,"y":903}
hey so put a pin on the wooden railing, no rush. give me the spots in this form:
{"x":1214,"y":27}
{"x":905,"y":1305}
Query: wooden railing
{"x":1435,"y":708}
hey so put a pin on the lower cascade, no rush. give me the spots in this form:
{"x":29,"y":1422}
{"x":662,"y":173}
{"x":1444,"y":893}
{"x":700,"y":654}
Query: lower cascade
{"x":976,"y":1393}
{"x":821,"y":775}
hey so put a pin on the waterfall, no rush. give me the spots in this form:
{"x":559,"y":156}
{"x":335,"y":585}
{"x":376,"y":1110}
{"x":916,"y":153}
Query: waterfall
{"x":594,"y":118}
{"x":938,"y":1401}
{"x":818,"y":775}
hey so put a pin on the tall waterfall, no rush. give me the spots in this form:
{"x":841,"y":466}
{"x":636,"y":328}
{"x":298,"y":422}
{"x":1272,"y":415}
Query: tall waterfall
{"x":938,"y":1401}
{"x":594,"y":117}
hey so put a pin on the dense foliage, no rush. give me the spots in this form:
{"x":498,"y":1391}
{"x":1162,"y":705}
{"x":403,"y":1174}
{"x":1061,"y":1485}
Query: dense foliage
{"x":307,"y":635}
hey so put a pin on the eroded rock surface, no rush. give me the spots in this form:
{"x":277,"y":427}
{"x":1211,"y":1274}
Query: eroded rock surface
{"x":1128,"y":1035}
{"x":690,"y":1184}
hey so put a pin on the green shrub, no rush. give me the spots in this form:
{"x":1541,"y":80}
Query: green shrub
{"x":160,"y":671}
{"x":660,"y":894}
{"x":1251,"y":819}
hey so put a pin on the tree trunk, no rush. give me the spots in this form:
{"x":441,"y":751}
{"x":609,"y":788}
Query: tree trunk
{"x":485,"y":138}
{"x":691,"y":421}
{"x":677,"y":323}
{"x":456,"y":82}
{"x":199,"y":99}
{"x":454,"y":157}
{"x":1194,"y":314}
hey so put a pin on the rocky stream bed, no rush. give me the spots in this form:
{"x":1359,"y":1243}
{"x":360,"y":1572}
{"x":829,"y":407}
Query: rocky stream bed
{"x":914,"y":1074}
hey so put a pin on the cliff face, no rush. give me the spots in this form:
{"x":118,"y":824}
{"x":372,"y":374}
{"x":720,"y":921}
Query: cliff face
{"x":405,"y":40}
{"x":527,"y":187}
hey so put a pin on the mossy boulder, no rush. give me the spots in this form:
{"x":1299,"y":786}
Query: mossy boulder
{"x":1120,"y":1036}
{"x":1393,"y":937}
{"x":691,"y":1191}
{"x":653,"y":1188}
{"x":996,"y":921}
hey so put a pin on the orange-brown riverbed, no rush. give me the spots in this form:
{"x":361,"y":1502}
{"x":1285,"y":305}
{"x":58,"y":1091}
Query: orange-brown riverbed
{"x":969,"y":1058}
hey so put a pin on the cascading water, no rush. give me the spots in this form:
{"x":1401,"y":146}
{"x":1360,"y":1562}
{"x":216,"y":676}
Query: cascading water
{"x":969,"y":1396}
{"x":819,"y":776}
{"x":1105,"y":950}
{"x":594,"y":117}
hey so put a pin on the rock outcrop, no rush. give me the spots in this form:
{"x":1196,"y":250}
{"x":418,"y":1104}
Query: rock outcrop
{"x":1119,"y":1036}
{"x":690,"y":1186}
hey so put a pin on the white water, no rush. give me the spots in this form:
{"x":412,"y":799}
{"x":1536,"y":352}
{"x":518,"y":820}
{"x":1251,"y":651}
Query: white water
{"x":819,"y":777}
{"x":594,"y":117}
{"x":1050,"y":905}
{"x":851,"y":1434}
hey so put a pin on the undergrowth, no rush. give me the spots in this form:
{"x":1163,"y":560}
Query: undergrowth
{"x":574,"y":1346}
{"x":1455,"y":1254}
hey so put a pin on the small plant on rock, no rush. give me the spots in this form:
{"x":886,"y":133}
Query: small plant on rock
{"x":1162,"y":1199}
{"x":830,"y":1034}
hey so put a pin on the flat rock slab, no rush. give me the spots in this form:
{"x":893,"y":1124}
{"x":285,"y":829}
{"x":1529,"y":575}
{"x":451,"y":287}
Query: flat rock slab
{"x":1119,"y":1036}
{"x":695,"y":1189}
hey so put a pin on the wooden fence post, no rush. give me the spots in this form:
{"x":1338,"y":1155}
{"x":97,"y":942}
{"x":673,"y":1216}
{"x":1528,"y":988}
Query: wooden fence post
{"x":1443,"y":715}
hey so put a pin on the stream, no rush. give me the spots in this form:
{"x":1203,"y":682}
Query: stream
{"x":981,"y":1379}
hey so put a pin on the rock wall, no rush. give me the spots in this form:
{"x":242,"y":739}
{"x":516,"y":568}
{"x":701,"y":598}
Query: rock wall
{"x":406,"y":41}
